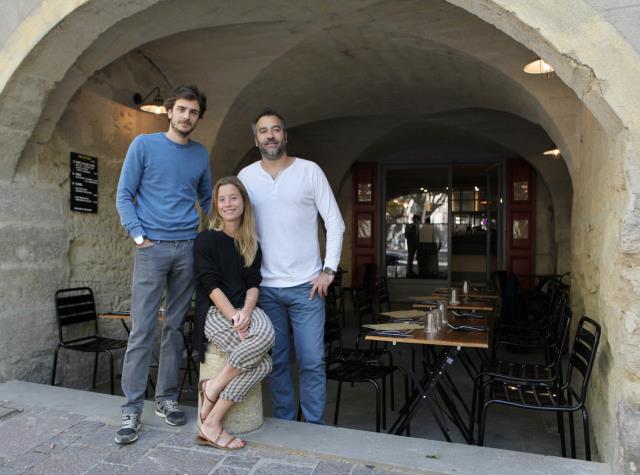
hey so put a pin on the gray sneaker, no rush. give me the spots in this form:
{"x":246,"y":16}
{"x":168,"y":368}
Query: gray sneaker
{"x":129,"y":428}
{"x":171,"y":413}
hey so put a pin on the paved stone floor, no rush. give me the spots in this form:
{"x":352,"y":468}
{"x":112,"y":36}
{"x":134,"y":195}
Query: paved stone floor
{"x":35,"y":440}
{"x":54,"y":430}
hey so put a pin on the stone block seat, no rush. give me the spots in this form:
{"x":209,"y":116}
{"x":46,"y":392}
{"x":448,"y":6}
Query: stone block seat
{"x":245,"y":416}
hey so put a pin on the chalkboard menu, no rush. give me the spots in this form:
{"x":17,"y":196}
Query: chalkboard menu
{"x":84,"y":183}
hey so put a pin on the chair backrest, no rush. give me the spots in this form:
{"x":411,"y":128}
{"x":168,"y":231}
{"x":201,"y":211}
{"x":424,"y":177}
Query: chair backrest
{"x":581,"y":361}
{"x":499,"y":278}
{"x":363,"y":305}
{"x":561,"y":335}
{"x":511,"y":306}
{"x":332,"y":333}
{"x":337,"y":280}
{"x":557,"y":306}
{"x":382,"y":294}
{"x":367,"y":280}
{"x":75,"y":306}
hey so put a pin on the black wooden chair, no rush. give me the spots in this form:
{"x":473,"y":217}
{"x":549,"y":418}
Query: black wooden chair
{"x":567,"y":396}
{"x":76,"y":308}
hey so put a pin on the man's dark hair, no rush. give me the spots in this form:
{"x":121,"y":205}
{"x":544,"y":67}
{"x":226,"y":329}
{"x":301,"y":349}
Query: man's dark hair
{"x":267,"y":111}
{"x":188,"y":92}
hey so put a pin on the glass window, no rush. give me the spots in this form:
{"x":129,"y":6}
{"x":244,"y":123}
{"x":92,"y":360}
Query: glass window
{"x":520,"y":191}
{"x":520,"y":229}
{"x":364,"y":193}
{"x":364,"y":228}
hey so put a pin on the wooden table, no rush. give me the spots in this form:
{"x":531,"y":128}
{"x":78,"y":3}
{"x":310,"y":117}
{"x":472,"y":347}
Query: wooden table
{"x":473,"y":293}
{"x":443,"y":337}
{"x":430,"y":301}
{"x":451,"y":342}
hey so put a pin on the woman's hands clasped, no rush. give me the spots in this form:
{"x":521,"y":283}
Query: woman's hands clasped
{"x":241,"y":321}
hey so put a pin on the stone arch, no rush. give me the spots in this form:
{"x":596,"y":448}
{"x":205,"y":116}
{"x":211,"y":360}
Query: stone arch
{"x":45,"y":49}
{"x":539,"y":28}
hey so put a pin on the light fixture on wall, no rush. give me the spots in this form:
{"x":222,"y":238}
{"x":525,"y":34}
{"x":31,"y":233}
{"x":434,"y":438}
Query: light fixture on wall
{"x":554,"y":152}
{"x":539,"y":66}
{"x":154,"y":106}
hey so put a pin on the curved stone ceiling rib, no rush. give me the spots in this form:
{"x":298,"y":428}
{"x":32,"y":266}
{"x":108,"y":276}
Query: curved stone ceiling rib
{"x":414,"y":23}
{"x":347,"y":73}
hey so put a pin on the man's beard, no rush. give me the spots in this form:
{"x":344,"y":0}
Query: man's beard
{"x":272,"y":154}
{"x":185,"y":134}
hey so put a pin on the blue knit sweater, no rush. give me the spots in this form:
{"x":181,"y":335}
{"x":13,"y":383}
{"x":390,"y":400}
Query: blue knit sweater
{"x":159,"y":185}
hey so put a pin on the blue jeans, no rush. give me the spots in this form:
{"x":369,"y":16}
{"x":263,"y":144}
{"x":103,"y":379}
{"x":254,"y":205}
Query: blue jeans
{"x":165,"y":264}
{"x":291,"y":306}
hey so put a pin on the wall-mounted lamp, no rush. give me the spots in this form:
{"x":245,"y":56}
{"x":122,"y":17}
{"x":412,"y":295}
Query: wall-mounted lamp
{"x":539,"y":66}
{"x":554,"y":152}
{"x":154,"y":105}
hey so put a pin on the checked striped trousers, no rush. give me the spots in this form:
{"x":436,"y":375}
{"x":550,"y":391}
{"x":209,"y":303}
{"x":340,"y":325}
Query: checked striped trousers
{"x":249,"y":356}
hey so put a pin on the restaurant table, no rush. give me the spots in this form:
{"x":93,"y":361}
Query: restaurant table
{"x":473,"y":292}
{"x":124,"y":316}
{"x":431,"y":301}
{"x":435,"y":379}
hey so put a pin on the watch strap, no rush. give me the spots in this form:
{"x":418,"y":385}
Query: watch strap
{"x":329,"y":271}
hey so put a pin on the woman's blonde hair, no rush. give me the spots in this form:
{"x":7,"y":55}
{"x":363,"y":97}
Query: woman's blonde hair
{"x":245,"y":238}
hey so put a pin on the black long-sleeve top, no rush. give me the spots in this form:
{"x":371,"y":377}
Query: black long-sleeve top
{"x":219,"y":265}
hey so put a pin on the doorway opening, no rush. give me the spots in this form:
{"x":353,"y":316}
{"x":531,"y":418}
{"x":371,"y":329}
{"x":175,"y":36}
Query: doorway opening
{"x":443,"y":222}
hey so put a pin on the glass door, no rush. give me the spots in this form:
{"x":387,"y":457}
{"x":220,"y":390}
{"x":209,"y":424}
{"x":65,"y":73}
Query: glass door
{"x":417,"y":222}
{"x":475,"y":211}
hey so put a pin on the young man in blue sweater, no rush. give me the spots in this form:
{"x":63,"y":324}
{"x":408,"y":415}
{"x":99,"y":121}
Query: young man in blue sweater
{"x":163,"y":176}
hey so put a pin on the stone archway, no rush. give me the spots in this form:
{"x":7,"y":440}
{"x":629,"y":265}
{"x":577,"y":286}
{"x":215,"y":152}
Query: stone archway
{"x":46,"y":46}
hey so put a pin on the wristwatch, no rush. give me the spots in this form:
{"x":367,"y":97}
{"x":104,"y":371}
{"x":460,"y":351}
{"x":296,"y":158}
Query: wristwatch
{"x":329,"y":271}
{"x":139,"y":239}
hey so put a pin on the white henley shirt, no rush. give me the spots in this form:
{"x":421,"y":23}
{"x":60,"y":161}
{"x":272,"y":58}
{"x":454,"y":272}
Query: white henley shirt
{"x":286,"y":210}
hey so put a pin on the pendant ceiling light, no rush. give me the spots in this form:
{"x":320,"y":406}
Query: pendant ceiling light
{"x":154,"y":106}
{"x":539,"y":66}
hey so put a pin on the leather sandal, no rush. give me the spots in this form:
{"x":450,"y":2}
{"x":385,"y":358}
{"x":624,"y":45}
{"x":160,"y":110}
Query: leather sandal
{"x":203,"y":396}
{"x":202,"y":439}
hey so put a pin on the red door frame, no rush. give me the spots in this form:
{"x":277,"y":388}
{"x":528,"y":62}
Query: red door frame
{"x":364,"y":235}
{"x":521,"y":209}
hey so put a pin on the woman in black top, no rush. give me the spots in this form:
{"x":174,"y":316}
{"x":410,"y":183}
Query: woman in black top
{"x":227,"y":268}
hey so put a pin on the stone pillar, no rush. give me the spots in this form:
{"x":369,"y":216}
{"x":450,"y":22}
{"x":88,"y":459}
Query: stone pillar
{"x":245,"y":416}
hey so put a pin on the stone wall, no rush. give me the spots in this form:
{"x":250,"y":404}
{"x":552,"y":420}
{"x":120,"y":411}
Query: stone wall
{"x":598,"y":286}
{"x":46,"y":247}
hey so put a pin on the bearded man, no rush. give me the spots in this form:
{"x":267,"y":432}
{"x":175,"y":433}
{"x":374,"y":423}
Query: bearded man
{"x":288,"y":194}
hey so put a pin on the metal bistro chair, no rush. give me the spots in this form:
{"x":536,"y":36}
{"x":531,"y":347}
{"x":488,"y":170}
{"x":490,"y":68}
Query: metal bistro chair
{"x":522,"y":372}
{"x":354,"y":366}
{"x":382,"y":295}
{"x":74,"y":307}
{"x":537,"y":335}
{"x":568,"y":396}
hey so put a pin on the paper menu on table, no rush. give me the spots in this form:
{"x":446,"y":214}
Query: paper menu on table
{"x":394,"y":326}
{"x":404,"y":314}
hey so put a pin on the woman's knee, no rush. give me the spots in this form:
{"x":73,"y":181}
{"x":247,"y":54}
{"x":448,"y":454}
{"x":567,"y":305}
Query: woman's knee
{"x":264,"y":336}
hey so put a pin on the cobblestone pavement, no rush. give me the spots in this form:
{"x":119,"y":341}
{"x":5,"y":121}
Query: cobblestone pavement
{"x":34,"y":440}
